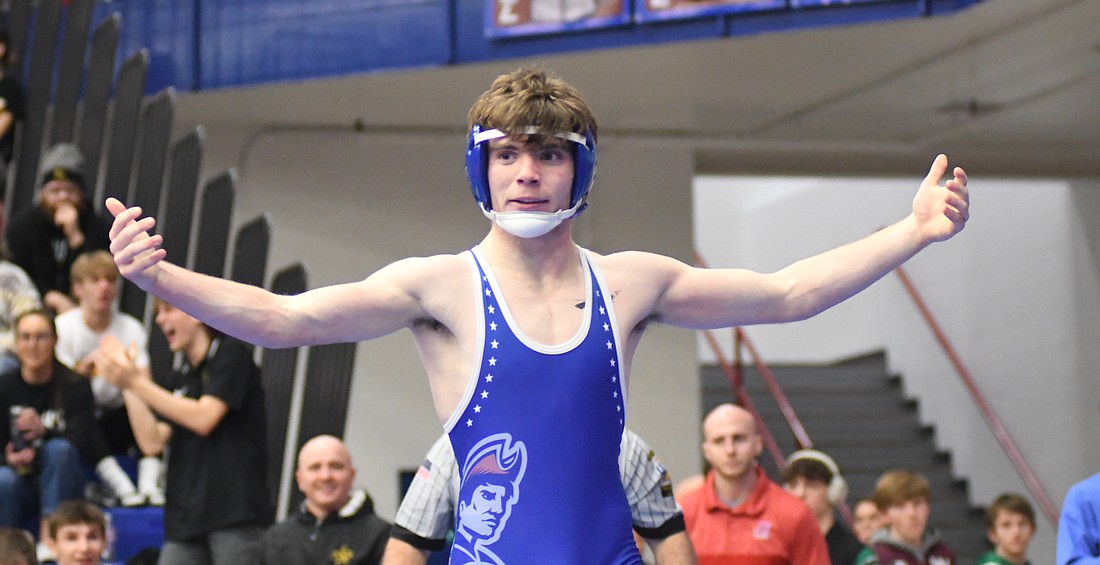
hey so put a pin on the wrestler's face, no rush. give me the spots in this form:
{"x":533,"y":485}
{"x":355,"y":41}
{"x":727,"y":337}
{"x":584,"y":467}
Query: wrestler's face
{"x":531,"y":176}
{"x":482,"y":514}
{"x":78,"y":544}
{"x":1011,"y":534}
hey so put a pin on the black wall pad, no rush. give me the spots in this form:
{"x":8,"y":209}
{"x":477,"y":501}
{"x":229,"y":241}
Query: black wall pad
{"x":19,"y":21}
{"x":325,"y":402}
{"x":279,"y":367}
{"x":250,"y":252}
{"x":328,"y":386}
{"x":175,"y":224}
{"x":215,"y":215}
{"x":38,"y":98}
{"x":161,"y":358}
{"x":153,"y":133}
{"x":129,"y":92}
{"x":175,"y":217}
{"x":97,"y":94}
{"x":70,"y":74}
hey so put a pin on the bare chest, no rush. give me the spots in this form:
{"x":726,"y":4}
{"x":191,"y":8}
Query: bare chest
{"x":546,"y":316}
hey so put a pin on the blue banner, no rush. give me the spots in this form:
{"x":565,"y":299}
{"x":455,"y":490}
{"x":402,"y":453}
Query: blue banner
{"x":507,"y":18}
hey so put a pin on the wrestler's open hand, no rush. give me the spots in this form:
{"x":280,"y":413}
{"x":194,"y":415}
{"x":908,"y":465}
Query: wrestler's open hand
{"x":941,"y":210}
{"x":137,"y":254}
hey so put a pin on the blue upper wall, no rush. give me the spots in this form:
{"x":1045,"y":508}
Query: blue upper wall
{"x":210,"y":44}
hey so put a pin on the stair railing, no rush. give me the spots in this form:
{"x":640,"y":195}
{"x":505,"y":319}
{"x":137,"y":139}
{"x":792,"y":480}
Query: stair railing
{"x":1031,"y":480}
{"x":735,"y":374}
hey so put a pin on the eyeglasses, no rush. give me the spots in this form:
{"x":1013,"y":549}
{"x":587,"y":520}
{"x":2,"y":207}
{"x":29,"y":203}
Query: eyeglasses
{"x":29,"y":337}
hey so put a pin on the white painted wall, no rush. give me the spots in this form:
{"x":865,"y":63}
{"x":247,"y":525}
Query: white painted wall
{"x":1016,"y":293}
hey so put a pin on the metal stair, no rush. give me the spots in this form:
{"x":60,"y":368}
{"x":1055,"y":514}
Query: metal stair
{"x":857,"y":412}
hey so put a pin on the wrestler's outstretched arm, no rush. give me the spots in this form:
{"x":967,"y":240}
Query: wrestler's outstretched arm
{"x":375,"y":306}
{"x":713,"y":298}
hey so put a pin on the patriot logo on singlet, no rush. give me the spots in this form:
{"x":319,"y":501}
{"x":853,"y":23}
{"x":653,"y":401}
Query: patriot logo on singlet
{"x":492,"y":474}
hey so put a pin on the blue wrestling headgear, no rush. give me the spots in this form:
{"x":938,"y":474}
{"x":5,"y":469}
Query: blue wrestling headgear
{"x":530,"y":224}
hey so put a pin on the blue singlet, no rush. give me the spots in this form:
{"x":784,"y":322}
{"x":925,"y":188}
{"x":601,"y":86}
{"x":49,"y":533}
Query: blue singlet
{"x":536,"y":438}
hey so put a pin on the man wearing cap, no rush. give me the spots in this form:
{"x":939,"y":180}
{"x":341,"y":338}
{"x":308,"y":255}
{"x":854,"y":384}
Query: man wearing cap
{"x":45,"y":240}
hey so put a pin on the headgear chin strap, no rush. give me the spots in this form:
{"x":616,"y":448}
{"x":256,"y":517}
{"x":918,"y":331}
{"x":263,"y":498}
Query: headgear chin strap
{"x":530,"y":224}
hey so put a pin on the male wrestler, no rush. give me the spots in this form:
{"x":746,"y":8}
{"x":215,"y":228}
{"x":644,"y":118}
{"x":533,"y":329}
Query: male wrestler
{"x":490,"y":324}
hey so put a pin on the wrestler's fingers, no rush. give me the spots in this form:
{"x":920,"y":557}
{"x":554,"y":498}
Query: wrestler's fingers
{"x":123,"y":219}
{"x":142,"y":262}
{"x":935,"y":173}
{"x":133,"y":253}
{"x":134,"y":231}
{"x":114,"y":206}
{"x":960,"y":175}
{"x":955,"y":201}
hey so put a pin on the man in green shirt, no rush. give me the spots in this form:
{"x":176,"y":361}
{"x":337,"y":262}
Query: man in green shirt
{"x":1010,"y":525}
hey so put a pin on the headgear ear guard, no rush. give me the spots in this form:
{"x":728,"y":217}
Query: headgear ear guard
{"x":837,"y":490}
{"x":477,"y":164}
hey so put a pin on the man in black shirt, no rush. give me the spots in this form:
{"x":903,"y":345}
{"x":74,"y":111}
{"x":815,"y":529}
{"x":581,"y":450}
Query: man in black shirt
{"x":210,"y":414}
{"x":50,"y":423}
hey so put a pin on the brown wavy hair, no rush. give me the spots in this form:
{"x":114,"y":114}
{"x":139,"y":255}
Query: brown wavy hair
{"x":529,"y":96}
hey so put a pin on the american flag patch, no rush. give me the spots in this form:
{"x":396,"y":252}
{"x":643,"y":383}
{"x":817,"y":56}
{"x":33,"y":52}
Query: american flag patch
{"x":424,"y":473}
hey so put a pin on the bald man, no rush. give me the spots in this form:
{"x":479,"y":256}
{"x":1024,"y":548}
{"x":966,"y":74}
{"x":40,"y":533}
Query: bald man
{"x":335,"y":524}
{"x":738,"y":516}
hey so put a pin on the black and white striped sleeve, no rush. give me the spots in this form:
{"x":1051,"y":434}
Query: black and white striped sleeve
{"x":427,"y":511}
{"x":648,"y":487}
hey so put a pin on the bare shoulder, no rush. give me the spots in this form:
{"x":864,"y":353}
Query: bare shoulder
{"x":638,"y":280}
{"x":435,"y":281}
{"x":423,"y":272}
{"x":640,"y":266}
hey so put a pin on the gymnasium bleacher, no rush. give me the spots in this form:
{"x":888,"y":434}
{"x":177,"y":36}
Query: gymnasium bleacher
{"x":79,"y":92}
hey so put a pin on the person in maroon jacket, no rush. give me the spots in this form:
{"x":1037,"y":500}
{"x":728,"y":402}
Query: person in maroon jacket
{"x":903,"y":497}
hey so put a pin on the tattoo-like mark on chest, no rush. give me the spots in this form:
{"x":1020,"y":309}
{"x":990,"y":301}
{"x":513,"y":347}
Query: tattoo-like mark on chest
{"x":580,"y":305}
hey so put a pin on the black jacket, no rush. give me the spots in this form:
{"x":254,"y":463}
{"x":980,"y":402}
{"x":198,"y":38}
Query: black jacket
{"x":352,"y":536}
